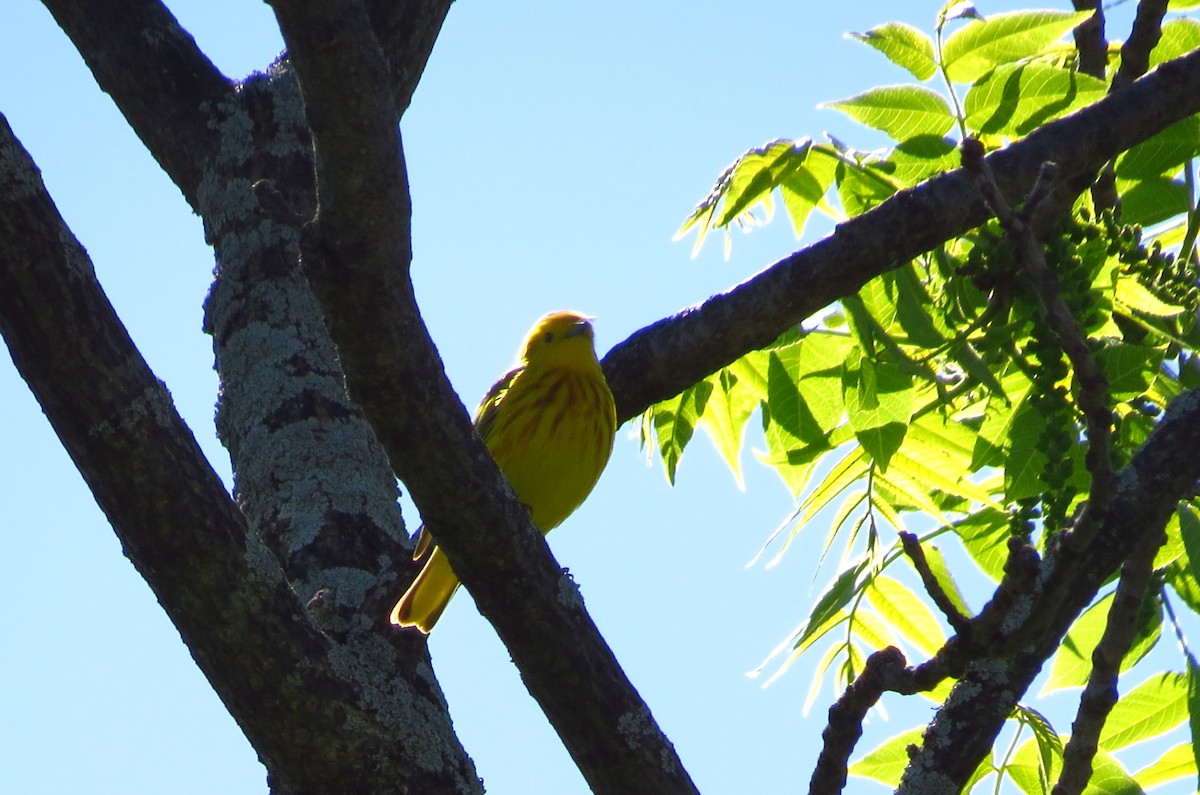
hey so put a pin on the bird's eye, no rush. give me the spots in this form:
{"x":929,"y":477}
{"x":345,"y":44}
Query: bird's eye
{"x":548,"y":336}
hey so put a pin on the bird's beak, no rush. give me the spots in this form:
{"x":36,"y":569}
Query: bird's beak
{"x":581,"y":329}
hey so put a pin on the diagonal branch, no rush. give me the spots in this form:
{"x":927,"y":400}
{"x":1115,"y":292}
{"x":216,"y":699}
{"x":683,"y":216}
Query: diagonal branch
{"x":163,"y":84}
{"x":1100,"y":695}
{"x":356,"y":254}
{"x":668,"y":356}
{"x":247,"y":630}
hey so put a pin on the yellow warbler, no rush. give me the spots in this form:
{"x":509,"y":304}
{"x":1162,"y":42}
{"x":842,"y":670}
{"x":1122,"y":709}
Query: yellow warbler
{"x":549,"y":424}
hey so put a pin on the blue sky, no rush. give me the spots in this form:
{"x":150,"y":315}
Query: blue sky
{"x":553,"y":150}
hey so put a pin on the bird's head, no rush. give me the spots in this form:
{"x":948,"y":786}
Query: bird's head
{"x":560,"y":339}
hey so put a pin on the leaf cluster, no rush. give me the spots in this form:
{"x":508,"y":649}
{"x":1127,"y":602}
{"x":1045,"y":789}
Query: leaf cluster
{"x":939,"y":398}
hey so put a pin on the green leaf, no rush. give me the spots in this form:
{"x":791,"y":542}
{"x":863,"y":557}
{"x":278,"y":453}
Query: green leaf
{"x":1151,"y":709}
{"x":1130,"y":369}
{"x":1185,"y":583}
{"x":1072,"y":666}
{"x":904,"y":46}
{"x":1015,"y":99}
{"x":1134,"y":296}
{"x":1189,"y":531}
{"x":849,"y":469}
{"x":979,"y":372}
{"x":804,"y":187}
{"x":979,"y":47}
{"x":887,"y":761}
{"x":985,"y":537}
{"x":1178,"y":762}
{"x":1193,"y":703}
{"x":1173,"y":549}
{"x":756,"y":174}
{"x":751,"y":372}
{"x":1024,"y":459}
{"x":907,"y":614}
{"x":921,"y":157}
{"x":1108,"y":776}
{"x":887,"y":501}
{"x":1165,"y":152}
{"x":748,"y":181}
{"x":675,"y":422}
{"x":879,"y":402}
{"x":819,"y":671}
{"x":831,"y":603}
{"x":903,"y":112}
{"x":726,"y":412}
{"x":1150,"y":200}
{"x":895,"y":492}
{"x":1073,"y":663}
{"x":861,"y":187}
{"x":1049,"y":744}
{"x":803,"y":382}
{"x":943,"y":449}
{"x":1179,"y":36}
{"x":872,"y":631}
{"x":912,"y":309}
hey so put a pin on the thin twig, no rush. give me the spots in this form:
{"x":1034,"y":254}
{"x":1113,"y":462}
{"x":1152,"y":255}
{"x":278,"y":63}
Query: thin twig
{"x":912,"y":548}
{"x":1143,"y":38}
{"x":1100,"y":695}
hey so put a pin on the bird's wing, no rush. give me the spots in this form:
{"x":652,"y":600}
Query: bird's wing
{"x":485,"y":415}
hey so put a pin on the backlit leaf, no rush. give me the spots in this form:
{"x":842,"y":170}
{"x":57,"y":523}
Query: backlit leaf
{"x":1015,"y":99}
{"x":980,"y":46}
{"x":904,"y":46}
{"x":902,"y":112}
{"x":1152,"y":708}
{"x":909,"y":615}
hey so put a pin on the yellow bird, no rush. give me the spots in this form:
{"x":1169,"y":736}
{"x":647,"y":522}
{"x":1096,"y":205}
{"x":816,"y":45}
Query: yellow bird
{"x":549,"y":424}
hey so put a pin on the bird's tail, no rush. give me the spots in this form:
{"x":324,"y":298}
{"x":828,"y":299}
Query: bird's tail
{"x":424,"y":601}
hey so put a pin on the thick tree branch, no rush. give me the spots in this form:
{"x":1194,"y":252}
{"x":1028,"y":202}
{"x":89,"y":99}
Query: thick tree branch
{"x":668,"y":356}
{"x":406,"y":31}
{"x":356,"y":254}
{"x":164,"y":85}
{"x":320,"y":715}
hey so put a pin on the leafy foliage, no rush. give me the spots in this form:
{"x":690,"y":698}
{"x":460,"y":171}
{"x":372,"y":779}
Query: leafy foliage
{"x":940,"y":397}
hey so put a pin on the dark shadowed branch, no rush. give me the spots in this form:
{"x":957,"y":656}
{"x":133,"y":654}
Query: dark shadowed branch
{"x":356,"y":254}
{"x":406,"y":31}
{"x":1100,"y":695}
{"x":166,"y":88}
{"x":312,"y":716}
